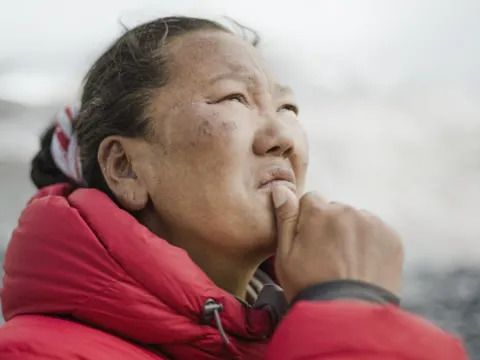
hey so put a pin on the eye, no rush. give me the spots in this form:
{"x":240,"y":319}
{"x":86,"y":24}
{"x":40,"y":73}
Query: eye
{"x":235,"y":97}
{"x":289,"y":107}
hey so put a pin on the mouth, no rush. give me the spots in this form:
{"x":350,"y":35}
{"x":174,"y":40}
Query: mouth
{"x":275,"y":176}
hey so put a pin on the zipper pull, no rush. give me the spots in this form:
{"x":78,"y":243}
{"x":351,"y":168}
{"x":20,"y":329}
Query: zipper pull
{"x":212,"y":309}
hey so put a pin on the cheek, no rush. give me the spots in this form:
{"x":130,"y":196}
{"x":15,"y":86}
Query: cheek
{"x":205,"y":133}
{"x":214,"y":132}
{"x":215,"y":128}
{"x":209,"y":148}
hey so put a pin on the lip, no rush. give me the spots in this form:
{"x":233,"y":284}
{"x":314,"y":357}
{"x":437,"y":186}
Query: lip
{"x":277,"y":175}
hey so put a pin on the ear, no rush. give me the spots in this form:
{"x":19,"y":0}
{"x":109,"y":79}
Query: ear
{"x":115,"y":163}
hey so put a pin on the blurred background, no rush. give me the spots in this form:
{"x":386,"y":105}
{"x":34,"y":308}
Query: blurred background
{"x":389,"y":94}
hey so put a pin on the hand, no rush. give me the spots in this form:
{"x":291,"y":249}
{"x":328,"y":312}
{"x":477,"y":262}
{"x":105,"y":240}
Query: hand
{"x":320,"y":241}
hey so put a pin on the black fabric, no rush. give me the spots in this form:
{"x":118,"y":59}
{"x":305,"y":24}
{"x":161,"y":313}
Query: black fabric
{"x":347,"y":289}
{"x":272,"y":298}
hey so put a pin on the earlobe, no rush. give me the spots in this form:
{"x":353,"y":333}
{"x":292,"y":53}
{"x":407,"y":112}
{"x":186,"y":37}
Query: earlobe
{"x":135,"y":199}
{"x":119,"y":174}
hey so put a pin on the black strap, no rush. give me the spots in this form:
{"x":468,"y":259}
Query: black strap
{"x":347,"y":289}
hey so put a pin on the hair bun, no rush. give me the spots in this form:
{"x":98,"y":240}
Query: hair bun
{"x":43,"y":170}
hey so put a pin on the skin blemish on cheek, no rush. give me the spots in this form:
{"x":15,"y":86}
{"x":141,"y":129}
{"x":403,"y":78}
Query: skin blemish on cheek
{"x":205,"y":128}
{"x":209,"y":128}
{"x":229,"y":126}
{"x":164,"y":150}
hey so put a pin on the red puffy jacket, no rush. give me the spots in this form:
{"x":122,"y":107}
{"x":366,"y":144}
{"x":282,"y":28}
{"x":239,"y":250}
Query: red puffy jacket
{"x":84,"y":280}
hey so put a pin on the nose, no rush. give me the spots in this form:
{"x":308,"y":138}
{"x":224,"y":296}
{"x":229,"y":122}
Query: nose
{"x":274,"y":139}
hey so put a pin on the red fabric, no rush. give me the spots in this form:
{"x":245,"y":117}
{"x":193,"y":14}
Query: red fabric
{"x":84,"y":280}
{"x":341,"y":330}
{"x":69,"y":112}
{"x":62,"y":138}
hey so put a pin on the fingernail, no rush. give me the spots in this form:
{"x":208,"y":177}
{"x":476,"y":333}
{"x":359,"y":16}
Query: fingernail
{"x":279,"y":196}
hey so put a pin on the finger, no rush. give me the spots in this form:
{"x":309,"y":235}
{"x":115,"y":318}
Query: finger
{"x":313,"y":199}
{"x":285,"y":204}
{"x":310,"y":202}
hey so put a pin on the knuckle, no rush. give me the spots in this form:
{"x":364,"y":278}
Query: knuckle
{"x":343,"y":214}
{"x":306,"y":198}
{"x":370,"y":220}
{"x":349,"y":211}
{"x":311,"y":205}
{"x":342,"y":209}
{"x":311,"y":199}
{"x":316,"y":209}
{"x":368,"y":215}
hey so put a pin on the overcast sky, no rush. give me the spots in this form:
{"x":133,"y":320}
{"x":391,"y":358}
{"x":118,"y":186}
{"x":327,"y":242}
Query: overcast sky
{"x":47,"y":44}
{"x":389,"y":94}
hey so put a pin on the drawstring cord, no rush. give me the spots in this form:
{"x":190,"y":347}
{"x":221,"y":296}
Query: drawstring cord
{"x":213,"y":309}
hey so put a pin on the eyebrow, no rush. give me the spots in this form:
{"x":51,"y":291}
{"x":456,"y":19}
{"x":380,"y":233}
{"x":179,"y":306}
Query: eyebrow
{"x":246,"y":78}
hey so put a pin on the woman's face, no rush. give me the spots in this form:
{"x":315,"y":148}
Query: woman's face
{"x":223,"y":132}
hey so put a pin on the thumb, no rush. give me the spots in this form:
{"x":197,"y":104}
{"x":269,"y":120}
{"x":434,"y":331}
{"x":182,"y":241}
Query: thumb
{"x":285,"y":204}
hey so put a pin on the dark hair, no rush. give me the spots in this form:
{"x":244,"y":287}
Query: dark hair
{"x":43,"y":170}
{"x":116,"y":92}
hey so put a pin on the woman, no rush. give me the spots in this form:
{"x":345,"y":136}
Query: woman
{"x":181,"y":173}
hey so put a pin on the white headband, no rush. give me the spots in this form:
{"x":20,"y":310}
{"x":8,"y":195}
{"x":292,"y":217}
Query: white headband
{"x":64,"y":145}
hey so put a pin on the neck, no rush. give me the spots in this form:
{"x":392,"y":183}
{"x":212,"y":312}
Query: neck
{"x":231,"y":272}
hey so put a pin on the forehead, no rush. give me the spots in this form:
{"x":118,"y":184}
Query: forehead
{"x":206,"y":55}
